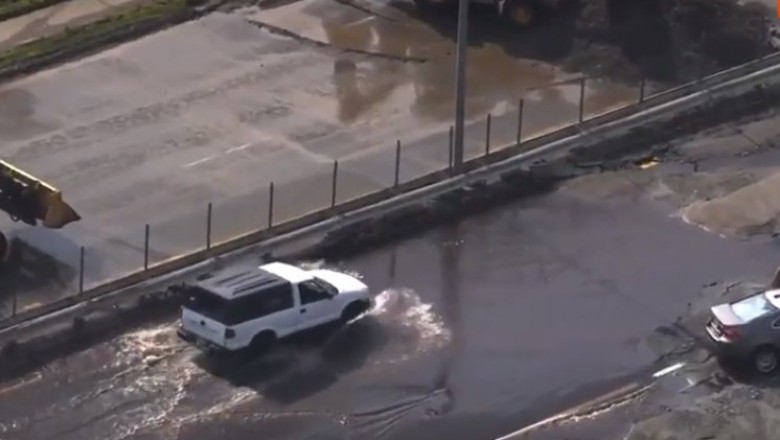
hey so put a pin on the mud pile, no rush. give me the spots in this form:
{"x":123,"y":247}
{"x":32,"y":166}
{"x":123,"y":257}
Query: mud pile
{"x":667,"y":40}
{"x":751,"y":210}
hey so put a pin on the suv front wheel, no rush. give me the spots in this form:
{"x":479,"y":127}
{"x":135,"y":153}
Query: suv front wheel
{"x":353,"y":310}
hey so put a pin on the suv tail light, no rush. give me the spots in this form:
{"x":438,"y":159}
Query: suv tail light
{"x":730,"y":333}
{"x":230,"y":333}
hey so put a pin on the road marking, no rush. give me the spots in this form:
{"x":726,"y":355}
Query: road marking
{"x":212,"y":157}
{"x":668,"y":370}
{"x":242,"y":147}
{"x":199,"y":161}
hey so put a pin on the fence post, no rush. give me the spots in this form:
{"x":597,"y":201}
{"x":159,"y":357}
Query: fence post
{"x":81,"y":270}
{"x":271,"y":205}
{"x":13,"y":304}
{"x":520,"y":106}
{"x":333,"y":184}
{"x":487,"y":134}
{"x":642,"y":84}
{"x":208,"y":227}
{"x":582,"y":99}
{"x":146,"y":247}
{"x":397,"y":163}
{"x":451,"y":146}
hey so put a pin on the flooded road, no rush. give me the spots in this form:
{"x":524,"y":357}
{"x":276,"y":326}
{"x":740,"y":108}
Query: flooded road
{"x":480,"y":329}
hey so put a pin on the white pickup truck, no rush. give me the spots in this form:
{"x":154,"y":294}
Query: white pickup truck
{"x":241,"y":308}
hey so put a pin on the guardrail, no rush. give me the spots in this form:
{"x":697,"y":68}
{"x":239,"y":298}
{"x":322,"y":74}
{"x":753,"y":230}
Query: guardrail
{"x":343,"y":209}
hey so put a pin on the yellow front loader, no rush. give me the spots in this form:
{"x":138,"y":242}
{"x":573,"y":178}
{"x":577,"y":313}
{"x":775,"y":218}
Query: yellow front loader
{"x":30,"y":200}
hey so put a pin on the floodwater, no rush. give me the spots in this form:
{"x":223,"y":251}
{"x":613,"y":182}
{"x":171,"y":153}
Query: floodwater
{"x":480,"y":328}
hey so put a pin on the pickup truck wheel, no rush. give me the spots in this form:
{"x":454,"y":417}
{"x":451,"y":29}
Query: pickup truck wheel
{"x":353,"y":310}
{"x":263,"y":341}
{"x":765,"y":359}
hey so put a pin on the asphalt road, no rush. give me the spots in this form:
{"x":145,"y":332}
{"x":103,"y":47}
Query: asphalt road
{"x":480,"y":329}
{"x":215,"y":110}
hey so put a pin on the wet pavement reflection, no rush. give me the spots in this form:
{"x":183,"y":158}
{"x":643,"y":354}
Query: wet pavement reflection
{"x":404,"y":55}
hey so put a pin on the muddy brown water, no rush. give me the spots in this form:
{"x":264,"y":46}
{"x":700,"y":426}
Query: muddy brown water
{"x":480,"y":328}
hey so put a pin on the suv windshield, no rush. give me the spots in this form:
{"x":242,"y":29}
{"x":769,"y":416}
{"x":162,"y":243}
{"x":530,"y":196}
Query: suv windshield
{"x":208,"y":304}
{"x":753,"y":307}
{"x":328,"y":287}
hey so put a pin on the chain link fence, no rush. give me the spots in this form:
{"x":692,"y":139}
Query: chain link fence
{"x":75,"y":263}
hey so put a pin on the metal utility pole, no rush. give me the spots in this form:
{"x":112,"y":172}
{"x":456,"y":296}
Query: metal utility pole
{"x":460,"y":81}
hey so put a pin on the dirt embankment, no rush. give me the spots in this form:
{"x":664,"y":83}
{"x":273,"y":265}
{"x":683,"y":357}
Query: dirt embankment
{"x":667,"y":40}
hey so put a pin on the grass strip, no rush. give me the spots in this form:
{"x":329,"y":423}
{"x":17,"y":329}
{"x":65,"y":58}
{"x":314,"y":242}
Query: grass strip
{"x":14,"y":8}
{"x":73,"y":38}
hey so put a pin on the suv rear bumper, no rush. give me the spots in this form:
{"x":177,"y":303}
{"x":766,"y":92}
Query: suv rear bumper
{"x":202,"y":344}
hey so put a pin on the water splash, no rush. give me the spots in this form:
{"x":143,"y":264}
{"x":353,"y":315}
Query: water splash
{"x":405,"y":314}
{"x":150,"y":345}
{"x":168,"y":370}
{"x":322,"y":264}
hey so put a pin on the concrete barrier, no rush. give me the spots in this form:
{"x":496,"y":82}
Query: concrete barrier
{"x":653,"y":109}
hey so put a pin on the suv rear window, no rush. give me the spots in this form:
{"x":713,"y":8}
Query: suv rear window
{"x":208,"y":304}
{"x":753,"y":307}
{"x":255,"y":305}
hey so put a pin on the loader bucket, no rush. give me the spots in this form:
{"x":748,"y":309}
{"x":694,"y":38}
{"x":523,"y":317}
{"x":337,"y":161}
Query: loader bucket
{"x":57,"y":213}
{"x":50,"y":208}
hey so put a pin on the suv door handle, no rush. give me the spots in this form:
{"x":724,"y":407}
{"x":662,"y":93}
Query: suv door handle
{"x":303,"y":310}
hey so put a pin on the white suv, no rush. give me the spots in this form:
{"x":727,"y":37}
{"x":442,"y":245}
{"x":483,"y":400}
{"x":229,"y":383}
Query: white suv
{"x":241,"y":308}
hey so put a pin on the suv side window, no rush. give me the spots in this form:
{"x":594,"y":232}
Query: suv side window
{"x":311,"y":291}
{"x":262,"y":303}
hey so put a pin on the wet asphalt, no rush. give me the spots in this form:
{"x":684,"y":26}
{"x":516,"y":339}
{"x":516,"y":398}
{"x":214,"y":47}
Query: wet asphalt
{"x":480,"y":329}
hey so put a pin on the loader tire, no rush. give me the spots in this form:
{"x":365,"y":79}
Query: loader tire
{"x":521,"y":12}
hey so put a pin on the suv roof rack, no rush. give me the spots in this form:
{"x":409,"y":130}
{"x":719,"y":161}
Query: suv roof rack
{"x":231,"y":283}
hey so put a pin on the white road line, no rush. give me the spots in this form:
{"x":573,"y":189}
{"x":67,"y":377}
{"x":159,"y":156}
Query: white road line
{"x":208,"y":158}
{"x":199,"y":161}
{"x":234,"y":149}
{"x":668,"y":370}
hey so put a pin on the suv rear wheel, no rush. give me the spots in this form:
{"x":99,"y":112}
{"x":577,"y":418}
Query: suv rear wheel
{"x":765,"y":359}
{"x":263,"y":341}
